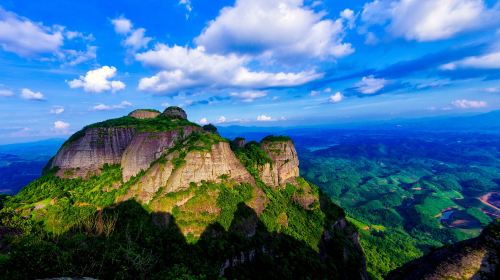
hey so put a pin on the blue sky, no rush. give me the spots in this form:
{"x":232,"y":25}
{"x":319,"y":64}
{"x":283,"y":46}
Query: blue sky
{"x":66,"y":64}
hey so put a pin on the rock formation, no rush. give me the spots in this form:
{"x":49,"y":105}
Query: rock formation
{"x":476,"y":258}
{"x":284,"y":167}
{"x":147,"y":147}
{"x":196,"y":166}
{"x":201,"y":186}
{"x":175,"y":112}
{"x":144,"y":114}
{"x":94,"y":148}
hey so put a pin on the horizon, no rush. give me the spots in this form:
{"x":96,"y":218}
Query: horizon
{"x":66,"y":65}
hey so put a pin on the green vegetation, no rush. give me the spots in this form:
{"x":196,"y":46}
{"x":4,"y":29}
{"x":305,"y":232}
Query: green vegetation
{"x":407,"y":195}
{"x":272,"y":138}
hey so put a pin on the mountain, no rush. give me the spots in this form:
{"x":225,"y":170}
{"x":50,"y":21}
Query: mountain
{"x":154,"y":196}
{"x":476,"y":258}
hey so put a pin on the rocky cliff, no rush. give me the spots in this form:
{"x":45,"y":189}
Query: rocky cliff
{"x":225,"y":199}
{"x":93,"y":148}
{"x":476,"y":258}
{"x":284,"y":165}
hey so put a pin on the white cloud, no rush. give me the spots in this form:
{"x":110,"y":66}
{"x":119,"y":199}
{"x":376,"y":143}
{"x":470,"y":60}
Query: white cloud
{"x":31,"y":39}
{"x":249,"y":95}
{"x":221,"y":119}
{"x":57,"y":110}
{"x":349,"y":16}
{"x":75,"y":57}
{"x":428,"y":20}
{"x":61,"y":126}
{"x":187,"y":5}
{"x":25,"y":38}
{"x":135,"y":38}
{"x":183,"y":68}
{"x":469,"y":104}
{"x":28,"y":94}
{"x":336,"y":98}
{"x":318,"y":92}
{"x":6,"y":93}
{"x":264,"y":118}
{"x":104,"y":107}
{"x":276,"y":28}
{"x":370,"y":85}
{"x":122,"y":25}
{"x":98,"y":80}
{"x":203,"y":121}
{"x":485,"y":61}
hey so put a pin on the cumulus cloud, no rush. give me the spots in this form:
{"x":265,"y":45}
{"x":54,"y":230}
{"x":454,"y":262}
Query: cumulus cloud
{"x":104,"y":107}
{"x":336,"y":98}
{"x":203,"y":121}
{"x":6,"y":93}
{"x":183,"y":68}
{"x":24,"y":37}
{"x":98,"y":80}
{"x":485,"y":61}
{"x":428,"y":20}
{"x":28,"y":94}
{"x":135,"y":39}
{"x":31,"y":39}
{"x":122,"y":25}
{"x":249,"y":95}
{"x":469,"y":104}
{"x":61,"y":126}
{"x":370,"y":85}
{"x":221,"y":119}
{"x":57,"y":110}
{"x":278,"y":29}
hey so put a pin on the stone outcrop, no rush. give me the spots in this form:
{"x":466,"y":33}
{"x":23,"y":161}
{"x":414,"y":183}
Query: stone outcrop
{"x":144,"y":114}
{"x":147,"y":147}
{"x":197,"y":166}
{"x":476,"y":258}
{"x":87,"y":154}
{"x":175,"y":112}
{"x":285,"y":163}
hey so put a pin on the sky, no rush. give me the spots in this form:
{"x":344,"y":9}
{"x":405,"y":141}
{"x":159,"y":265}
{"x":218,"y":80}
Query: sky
{"x":66,"y":64}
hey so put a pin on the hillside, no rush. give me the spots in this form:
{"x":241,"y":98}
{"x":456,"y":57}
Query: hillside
{"x":152,"y":195}
{"x":475,"y":258}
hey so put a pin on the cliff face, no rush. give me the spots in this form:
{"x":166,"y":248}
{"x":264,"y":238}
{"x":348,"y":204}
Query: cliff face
{"x":475,"y":258}
{"x":285,"y":162}
{"x":165,"y":177}
{"x":87,"y":154}
{"x":147,"y":147}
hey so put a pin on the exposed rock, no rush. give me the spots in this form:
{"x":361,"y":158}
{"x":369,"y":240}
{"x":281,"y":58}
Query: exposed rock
{"x":175,"y":112}
{"x":147,"y":147}
{"x":285,"y":163}
{"x":87,"y":154}
{"x":239,"y":142}
{"x":476,"y":258}
{"x":144,"y":114}
{"x":198,"y":166}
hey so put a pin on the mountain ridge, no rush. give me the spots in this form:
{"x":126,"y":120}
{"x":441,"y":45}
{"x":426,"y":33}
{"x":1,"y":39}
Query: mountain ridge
{"x":206,"y":187}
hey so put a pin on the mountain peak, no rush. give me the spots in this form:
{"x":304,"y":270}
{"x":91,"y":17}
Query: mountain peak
{"x":175,"y":112}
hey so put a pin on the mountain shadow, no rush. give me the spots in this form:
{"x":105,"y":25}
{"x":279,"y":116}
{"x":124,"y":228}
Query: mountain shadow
{"x":127,"y":242}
